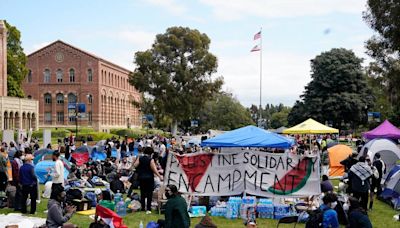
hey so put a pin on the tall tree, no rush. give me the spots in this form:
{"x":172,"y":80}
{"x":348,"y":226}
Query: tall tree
{"x":176,"y":73}
{"x":383,"y":17}
{"x":224,"y":112}
{"x":16,"y":62}
{"x":338,"y":92}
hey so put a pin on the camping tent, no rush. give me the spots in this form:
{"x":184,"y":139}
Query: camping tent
{"x":337,"y":154}
{"x":386,"y":130}
{"x":81,"y":155}
{"x":48,"y":156}
{"x":391,"y":191}
{"x":249,"y":136}
{"x":388,"y":150}
{"x":97,"y":155}
{"x":42,"y":170}
{"x":310,"y":126}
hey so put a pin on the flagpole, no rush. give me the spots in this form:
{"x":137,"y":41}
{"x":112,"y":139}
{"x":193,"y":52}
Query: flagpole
{"x":260,"y":119}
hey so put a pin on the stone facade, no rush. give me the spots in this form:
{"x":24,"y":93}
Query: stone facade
{"x":15,"y":113}
{"x":61,"y":74}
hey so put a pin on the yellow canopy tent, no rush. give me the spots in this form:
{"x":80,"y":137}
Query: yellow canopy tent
{"x":310,"y":126}
{"x":337,"y":154}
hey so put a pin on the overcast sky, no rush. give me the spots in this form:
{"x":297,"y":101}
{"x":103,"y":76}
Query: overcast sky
{"x":293,"y":32}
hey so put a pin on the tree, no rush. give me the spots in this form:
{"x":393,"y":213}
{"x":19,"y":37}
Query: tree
{"x":176,"y":73}
{"x":338,"y":92}
{"x":383,"y":17}
{"x":16,"y":62}
{"x":224,"y":112}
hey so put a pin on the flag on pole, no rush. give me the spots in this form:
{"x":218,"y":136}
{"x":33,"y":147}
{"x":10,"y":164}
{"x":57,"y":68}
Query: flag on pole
{"x":256,"y":48}
{"x":257,"y":35}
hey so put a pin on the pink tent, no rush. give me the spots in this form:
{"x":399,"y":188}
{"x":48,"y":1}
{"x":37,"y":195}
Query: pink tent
{"x":386,"y":130}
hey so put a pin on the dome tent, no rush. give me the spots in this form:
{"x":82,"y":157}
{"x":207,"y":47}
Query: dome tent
{"x":391,"y":192}
{"x":388,"y":150}
{"x":337,"y":154}
{"x":43,"y":162}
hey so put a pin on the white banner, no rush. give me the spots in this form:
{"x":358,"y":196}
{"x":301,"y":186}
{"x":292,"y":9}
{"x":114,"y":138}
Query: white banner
{"x":253,"y":172}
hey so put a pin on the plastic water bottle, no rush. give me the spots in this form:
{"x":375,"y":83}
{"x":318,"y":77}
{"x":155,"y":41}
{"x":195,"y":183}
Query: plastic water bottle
{"x":117,"y":197}
{"x":141,"y":224}
{"x":121,"y":208}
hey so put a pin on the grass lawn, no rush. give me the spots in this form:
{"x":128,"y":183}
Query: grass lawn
{"x":381,"y":216}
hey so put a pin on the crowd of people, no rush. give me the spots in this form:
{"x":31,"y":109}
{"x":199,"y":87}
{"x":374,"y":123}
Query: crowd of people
{"x":140,"y":163}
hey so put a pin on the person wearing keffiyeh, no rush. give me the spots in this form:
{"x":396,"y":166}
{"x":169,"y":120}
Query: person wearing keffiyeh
{"x":359,"y":176}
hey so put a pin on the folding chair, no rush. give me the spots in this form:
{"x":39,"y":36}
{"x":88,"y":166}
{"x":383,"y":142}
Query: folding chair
{"x":288,"y":220}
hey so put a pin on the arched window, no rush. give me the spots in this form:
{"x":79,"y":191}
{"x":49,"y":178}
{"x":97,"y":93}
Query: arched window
{"x":72,"y":98}
{"x":71,"y":75}
{"x":29,"y":76}
{"x":46,"y":76}
{"x":59,"y":75}
{"x":29,"y":97}
{"x":47,"y":98}
{"x":60,"y":98}
{"x":90,"y":98}
{"x":90,"y":75}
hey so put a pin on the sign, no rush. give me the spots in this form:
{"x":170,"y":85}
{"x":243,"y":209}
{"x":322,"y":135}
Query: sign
{"x":244,"y":171}
{"x":194,"y":123}
{"x":73,"y":107}
{"x":8,"y":136}
{"x":46,"y":137}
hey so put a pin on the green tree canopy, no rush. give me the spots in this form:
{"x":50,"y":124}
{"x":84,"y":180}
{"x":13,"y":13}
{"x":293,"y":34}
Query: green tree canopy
{"x":383,"y":17}
{"x":224,"y":112}
{"x":16,"y":62}
{"x":338,"y":91}
{"x":176,"y":73}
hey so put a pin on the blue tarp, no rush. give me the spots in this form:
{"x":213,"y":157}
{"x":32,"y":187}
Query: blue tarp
{"x":249,"y":136}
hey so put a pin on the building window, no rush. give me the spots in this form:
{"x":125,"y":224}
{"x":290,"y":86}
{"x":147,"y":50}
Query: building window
{"x":29,"y":76}
{"x":60,"y":117}
{"x":71,"y":75}
{"x":47,"y":98}
{"x":46,"y":76}
{"x":71,"y":119}
{"x":90,"y":98}
{"x":29,"y":97}
{"x":72,"y":98}
{"x":90,"y":116}
{"x":60,"y":98}
{"x":47,"y":117}
{"x":90,"y":75}
{"x":59,"y":75}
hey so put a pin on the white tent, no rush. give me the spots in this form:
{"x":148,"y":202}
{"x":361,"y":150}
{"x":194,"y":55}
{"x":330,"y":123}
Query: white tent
{"x":388,"y":150}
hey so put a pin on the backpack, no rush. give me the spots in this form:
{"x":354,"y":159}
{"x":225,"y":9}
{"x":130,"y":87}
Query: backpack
{"x":315,"y":219}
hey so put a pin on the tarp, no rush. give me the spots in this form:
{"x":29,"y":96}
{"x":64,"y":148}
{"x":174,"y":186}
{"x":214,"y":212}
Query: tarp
{"x":337,"y":154}
{"x":42,"y":169}
{"x":244,"y":171}
{"x":386,"y":130}
{"x":388,"y":150}
{"x":310,"y":126}
{"x":80,"y":157}
{"x":249,"y":136}
{"x":391,"y":190}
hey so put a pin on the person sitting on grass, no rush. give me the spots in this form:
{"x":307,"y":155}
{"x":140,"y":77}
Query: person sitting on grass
{"x":57,"y":215}
{"x":106,"y":200}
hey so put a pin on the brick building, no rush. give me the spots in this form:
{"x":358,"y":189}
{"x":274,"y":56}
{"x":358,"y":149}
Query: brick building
{"x":61,"y":75}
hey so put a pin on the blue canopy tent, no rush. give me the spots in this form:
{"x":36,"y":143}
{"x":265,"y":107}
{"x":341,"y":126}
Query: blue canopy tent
{"x":249,"y":136}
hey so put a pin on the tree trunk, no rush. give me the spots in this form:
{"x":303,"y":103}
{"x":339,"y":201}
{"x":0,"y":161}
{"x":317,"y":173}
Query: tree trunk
{"x":174,"y":127}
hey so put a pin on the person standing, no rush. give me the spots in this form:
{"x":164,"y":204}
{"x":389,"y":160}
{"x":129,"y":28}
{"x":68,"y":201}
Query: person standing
{"x":379,"y":164}
{"x":176,"y":214}
{"x":359,"y":176}
{"x":58,"y":172}
{"x":146,"y":168}
{"x":5,"y":170}
{"x":28,"y":180}
{"x":16,"y":165}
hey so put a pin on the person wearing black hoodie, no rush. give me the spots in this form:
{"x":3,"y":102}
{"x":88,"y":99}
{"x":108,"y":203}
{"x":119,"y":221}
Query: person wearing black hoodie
{"x":358,"y":217}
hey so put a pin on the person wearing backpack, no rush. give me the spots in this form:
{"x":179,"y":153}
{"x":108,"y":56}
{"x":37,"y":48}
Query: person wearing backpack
{"x":325,"y":216}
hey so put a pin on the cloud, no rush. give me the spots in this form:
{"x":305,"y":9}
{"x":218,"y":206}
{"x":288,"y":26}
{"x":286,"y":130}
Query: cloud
{"x":172,"y":6}
{"x":237,"y":9}
{"x":141,"y":40}
{"x":284,"y":76}
{"x":37,"y":46}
